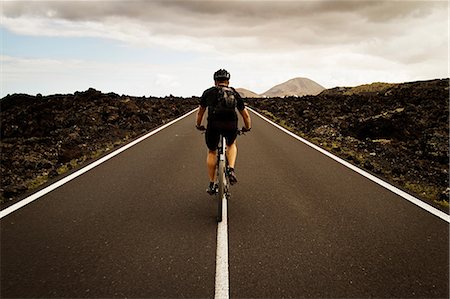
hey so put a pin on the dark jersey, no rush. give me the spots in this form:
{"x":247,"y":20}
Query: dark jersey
{"x":210,"y":99}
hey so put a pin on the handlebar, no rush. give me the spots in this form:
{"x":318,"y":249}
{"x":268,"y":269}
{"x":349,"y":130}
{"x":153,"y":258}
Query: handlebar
{"x":243,"y":131}
{"x":239,"y":131}
{"x":201,"y":128}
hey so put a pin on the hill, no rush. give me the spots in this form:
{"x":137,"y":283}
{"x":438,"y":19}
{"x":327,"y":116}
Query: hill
{"x":377,"y":87}
{"x":245,"y":93}
{"x":294,"y":87}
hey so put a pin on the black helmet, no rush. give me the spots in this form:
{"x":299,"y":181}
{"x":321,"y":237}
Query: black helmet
{"x":221,"y":75}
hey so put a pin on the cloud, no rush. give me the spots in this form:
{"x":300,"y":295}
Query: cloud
{"x":166,"y":80}
{"x":403,"y":31}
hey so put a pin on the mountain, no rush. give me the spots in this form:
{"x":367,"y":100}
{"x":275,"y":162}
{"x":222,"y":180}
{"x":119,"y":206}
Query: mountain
{"x":294,"y":87}
{"x":245,"y":93}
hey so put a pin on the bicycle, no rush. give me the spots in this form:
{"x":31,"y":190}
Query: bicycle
{"x":222,"y":179}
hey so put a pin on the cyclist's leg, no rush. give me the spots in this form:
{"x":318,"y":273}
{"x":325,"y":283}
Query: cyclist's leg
{"x":230,"y":136}
{"x":232,"y":154}
{"x":212,"y":136}
{"x":211,"y":161}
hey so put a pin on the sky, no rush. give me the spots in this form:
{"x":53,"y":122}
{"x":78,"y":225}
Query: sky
{"x":163,"y":47}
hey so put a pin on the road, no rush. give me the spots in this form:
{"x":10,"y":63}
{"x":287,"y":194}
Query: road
{"x":299,"y":225}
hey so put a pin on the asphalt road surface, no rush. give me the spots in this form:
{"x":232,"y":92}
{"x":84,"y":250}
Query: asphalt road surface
{"x":300,"y":225}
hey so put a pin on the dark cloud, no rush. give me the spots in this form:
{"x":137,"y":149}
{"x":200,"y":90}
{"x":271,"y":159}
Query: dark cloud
{"x":235,"y":13}
{"x":279,"y":24}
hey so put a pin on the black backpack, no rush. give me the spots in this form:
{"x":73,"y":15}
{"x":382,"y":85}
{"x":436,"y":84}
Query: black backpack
{"x":226,"y":101}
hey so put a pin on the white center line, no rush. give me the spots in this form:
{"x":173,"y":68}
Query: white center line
{"x":222,"y":280}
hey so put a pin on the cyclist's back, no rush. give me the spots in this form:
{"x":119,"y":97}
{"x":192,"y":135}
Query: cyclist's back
{"x":212,"y":99}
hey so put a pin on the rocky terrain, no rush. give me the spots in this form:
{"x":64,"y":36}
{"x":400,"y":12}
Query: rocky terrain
{"x":397,"y":131}
{"x":43,"y":137}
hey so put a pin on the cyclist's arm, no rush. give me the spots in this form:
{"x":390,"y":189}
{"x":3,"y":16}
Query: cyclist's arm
{"x":200,"y":113}
{"x":202,"y":108}
{"x":243,"y":111}
{"x":246,"y":118}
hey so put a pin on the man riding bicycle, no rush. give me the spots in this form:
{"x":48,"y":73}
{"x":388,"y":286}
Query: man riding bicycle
{"x":221,"y":102}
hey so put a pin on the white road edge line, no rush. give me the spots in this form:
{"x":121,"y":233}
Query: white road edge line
{"x":222,"y":279}
{"x":88,"y":167}
{"x":371,"y":177}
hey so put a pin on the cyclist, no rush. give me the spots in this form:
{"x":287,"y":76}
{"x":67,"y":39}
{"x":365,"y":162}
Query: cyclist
{"x":221,"y":122}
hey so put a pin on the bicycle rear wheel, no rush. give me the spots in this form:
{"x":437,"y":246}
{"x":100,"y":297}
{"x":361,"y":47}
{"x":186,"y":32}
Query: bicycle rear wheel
{"x":221,"y":194}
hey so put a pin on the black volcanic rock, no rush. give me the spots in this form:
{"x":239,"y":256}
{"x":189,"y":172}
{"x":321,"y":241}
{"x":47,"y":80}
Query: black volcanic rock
{"x":397,"y":131}
{"x":44,"y":136}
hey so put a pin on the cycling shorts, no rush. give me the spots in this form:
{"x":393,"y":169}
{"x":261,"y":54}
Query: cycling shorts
{"x":228,"y":130}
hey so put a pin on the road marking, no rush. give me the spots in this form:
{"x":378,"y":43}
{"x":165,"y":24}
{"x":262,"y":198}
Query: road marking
{"x":371,"y":177}
{"x":222,"y":278}
{"x":88,"y":167}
